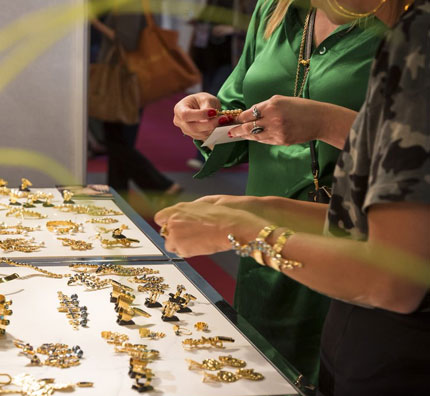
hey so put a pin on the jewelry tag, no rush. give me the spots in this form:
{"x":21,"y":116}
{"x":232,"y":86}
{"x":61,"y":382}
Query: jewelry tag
{"x":220,"y":136}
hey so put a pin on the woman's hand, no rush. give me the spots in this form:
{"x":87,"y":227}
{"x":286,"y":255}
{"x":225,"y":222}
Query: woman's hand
{"x":288,"y":120}
{"x":197,"y":228}
{"x":196,"y":115}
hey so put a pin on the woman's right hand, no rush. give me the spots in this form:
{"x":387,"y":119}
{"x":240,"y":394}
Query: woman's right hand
{"x":196,"y":115}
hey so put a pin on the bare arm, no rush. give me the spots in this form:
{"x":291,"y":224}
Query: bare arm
{"x":301,"y":216}
{"x":391,"y":270}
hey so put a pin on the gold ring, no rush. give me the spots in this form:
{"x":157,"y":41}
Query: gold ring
{"x":163,"y":231}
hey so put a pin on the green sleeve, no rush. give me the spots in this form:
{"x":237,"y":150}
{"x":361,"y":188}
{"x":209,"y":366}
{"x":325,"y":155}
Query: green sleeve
{"x":231,"y":97}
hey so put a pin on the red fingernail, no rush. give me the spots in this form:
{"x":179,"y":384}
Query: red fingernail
{"x":212,"y":113}
{"x":229,"y":134}
{"x":230,"y":118}
{"x":223,"y":120}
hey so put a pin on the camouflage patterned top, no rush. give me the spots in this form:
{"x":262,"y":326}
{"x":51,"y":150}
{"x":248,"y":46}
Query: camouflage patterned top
{"x":386,"y":157}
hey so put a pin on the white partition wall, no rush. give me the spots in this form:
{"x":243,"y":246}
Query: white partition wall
{"x":43,"y":106}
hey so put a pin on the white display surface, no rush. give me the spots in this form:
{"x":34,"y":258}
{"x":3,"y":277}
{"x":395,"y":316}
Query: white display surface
{"x":54,"y":247}
{"x":36,"y":320}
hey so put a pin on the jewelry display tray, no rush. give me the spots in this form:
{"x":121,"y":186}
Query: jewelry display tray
{"x":36,"y":320}
{"x":54,"y":248}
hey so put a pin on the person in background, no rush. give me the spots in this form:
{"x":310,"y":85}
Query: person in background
{"x":125,"y":162}
{"x":295,"y":105}
{"x":215,"y":45}
{"x":369,"y":248}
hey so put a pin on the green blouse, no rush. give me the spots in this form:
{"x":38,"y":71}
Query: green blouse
{"x":288,"y":314}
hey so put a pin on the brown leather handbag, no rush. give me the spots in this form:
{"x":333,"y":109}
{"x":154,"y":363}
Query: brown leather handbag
{"x":161,"y":66}
{"x":113,"y":91}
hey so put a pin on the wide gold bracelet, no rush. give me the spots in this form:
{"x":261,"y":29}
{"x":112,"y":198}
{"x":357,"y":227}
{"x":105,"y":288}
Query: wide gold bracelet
{"x":277,"y":262}
{"x":257,"y":255}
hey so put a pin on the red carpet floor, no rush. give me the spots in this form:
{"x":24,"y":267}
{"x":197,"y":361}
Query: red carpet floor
{"x":166,"y":147}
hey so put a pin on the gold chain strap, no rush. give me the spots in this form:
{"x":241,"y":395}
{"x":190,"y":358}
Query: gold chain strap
{"x":302,"y":62}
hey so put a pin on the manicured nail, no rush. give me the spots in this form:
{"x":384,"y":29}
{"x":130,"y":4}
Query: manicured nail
{"x":212,"y":113}
{"x":230,"y":118}
{"x":229,"y":134}
{"x":223,"y":120}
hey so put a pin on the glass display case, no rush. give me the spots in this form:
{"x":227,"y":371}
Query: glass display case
{"x":137,"y":299}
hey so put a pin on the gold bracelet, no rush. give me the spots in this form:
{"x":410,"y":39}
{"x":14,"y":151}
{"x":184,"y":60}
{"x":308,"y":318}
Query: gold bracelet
{"x":257,"y":255}
{"x":278,"y":263}
{"x":63,"y":226}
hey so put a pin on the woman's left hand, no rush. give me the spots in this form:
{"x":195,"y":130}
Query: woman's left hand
{"x":283,"y":121}
{"x":196,"y":228}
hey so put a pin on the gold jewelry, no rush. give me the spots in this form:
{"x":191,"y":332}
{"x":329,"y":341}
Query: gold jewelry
{"x":113,"y":269}
{"x":91,"y":210}
{"x":221,"y":376}
{"x":19,"y":229}
{"x":67,"y":195}
{"x":103,"y":220}
{"x":179,"y":330}
{"x":124,"y":242}
{"x":78,"y":316}
{"x":25,"y":183}
{"x":146,"y":333}
{"x":33,"y":267}
{"x":277,"y":262}
{"x":30,"y":386}
{"x":114,"y":338}
{"x":76,"y":244}
{"x":261,"y":237}
{"x":232,"y":362}
{"x":3,"y":183}
{"x":4,"y":311}
{"x":64,"y":226}
{"x":207,"y":364}
{"x":9,"y":278}
{"x":163,"y":231}
{"x":92,"y":282}
{"x":203,"y":342}
{"x":20,"y":245}
{"x":305,"y":63}
{"x":341,"y":10}
{"x":233,"y":112}
{"x":147,"y":279}
{"x":57,"y":355}
{"x":249,"y":374}
{"x":25,"y":213}
{"x":201,"y":326}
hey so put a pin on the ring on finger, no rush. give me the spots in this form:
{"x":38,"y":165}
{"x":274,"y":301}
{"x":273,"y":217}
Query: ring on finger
{"x":256,"y":129}
{"x":256,"y":113}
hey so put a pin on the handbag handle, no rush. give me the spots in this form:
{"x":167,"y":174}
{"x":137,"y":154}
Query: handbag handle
{"x":146,"y":8}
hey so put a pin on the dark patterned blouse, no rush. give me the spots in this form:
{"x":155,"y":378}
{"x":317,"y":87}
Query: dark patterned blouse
{"x":386,"y":158}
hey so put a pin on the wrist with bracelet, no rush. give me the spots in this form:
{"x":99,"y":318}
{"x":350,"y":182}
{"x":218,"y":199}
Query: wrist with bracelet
{"x":259,"y":248}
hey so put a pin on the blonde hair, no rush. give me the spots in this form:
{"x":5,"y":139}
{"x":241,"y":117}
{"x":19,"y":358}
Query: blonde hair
{"x":276,"y":17}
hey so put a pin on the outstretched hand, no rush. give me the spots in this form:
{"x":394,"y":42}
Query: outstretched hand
{"x":196,"y":228}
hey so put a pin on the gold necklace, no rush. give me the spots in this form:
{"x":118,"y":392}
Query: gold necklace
{"x":302,"y":62}
{"x":41,"y":270}
{"x":341,"y":10}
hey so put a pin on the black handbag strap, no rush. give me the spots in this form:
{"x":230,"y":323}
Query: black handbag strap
{"x":308,"y":52}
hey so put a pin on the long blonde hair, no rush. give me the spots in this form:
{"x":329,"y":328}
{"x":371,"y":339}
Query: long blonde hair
{"x":276,"y":17}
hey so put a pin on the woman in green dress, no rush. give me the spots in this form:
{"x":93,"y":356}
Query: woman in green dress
{"x":289,"y":315}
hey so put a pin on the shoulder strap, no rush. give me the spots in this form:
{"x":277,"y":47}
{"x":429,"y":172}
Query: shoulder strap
{"x":308,"y":53}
